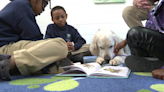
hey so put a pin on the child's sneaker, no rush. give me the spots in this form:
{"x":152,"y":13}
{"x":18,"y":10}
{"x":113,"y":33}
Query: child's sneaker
{"x":76,"y":58}
{"x":140,"y":64}
{"x":4,"y":67}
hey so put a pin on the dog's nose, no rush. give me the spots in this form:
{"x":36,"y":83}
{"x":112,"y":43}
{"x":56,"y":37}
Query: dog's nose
{"x":107,"y":58}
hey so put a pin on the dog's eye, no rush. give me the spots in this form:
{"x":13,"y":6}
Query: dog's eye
{"x":110,"y":46}
{"x":101,"y":48}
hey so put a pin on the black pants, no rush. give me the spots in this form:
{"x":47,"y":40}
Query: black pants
{"x":146,"y":42}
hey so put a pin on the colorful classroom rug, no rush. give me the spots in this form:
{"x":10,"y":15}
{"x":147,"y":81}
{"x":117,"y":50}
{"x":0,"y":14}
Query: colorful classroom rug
{"x":137,"y":82}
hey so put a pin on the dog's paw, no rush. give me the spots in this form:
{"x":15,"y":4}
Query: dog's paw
{"x":99,"y":60}
{"x":114,"y":62}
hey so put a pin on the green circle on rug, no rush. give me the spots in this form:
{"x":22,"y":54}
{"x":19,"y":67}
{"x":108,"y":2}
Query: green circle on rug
{"x":143,"y":73}
{"x":31,"y":81}
{"x":61,"y":77}
{"x":62,"y":85}
{"x":33,"y":86}
{"x":158,"y":87}
{"x":144,"y":90}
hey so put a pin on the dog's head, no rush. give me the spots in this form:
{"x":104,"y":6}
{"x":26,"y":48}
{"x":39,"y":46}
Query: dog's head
{"x":103,"y":44}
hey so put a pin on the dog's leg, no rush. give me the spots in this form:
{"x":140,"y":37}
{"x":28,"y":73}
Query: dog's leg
{"x":99,"y":60}
{"x":117,"y":60}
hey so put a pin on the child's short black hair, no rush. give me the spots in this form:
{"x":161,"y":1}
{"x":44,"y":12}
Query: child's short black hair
{"x":57,"y":8}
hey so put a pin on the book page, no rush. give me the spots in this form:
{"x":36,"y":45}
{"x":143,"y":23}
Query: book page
{"x":73,"y":72}
{"x":112,"y":71}
{"x":90,"y":67}
{"x":87,"y":68}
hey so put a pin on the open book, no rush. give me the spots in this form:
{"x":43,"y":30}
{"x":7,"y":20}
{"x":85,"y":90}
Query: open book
{"x":96,"y":70}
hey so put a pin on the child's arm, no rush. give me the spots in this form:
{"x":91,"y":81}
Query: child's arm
{"x":78,"y":40}
{"x":135,"y":2}
{"x":145,"y":4}
{"x":70,"y":46}
{"x":48,"y":32}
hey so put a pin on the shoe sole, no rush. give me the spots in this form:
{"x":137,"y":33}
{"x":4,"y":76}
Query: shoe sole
{"x":4,"y":70}
{"x":140,"y":64}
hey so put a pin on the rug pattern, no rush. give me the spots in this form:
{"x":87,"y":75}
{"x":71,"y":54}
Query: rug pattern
{"x":137,"y":82}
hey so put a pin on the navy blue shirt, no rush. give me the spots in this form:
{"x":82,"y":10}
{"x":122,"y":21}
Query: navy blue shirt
{"x":17,"y":22}
{"x":54,"y":31}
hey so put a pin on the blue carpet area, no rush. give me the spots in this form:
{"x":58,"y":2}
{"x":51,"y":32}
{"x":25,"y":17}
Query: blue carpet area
{"x":137,"y":82}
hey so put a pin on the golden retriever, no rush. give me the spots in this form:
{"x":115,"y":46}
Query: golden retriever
{"x":103,"y":45}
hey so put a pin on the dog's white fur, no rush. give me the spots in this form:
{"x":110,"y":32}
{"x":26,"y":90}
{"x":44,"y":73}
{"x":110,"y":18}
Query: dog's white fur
{"x":103,"y":45}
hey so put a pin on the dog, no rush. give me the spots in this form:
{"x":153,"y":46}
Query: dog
{"x":103,"y":45}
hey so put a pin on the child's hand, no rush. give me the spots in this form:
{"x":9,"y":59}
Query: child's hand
{"x":145,"y":4}
{"x":70,"y":46}
{"x":119,"y":46}
{"x":158,"y":73}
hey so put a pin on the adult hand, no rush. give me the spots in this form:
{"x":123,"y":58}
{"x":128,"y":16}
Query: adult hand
{"x":145,"y":4}
{"x":70,"y":46}
{"x":158,"y":74}
{"x":119,"y":46}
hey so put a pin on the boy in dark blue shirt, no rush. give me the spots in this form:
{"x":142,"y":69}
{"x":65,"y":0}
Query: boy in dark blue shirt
{"x":21,"y":42}
{"x":61,"y":29}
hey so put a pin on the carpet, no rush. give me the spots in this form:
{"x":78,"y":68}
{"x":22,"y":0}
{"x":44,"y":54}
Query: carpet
{"x":137,"y":82}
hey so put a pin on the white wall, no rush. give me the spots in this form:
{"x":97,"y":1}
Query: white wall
{"x":3,"y":3}
{"x":87,"y":17}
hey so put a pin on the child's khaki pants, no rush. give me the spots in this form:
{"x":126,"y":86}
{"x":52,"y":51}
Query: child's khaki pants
{"x":133,"y":16}
{"x":32,"y":56}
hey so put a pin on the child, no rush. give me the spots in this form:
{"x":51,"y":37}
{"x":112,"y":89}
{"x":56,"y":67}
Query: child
{"x":61,"y":29}
{"x":133,"y":15}
{"x":146,"y":44}
{"x":22,"y":46}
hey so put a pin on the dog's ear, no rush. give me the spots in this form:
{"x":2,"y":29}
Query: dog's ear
{"x":93,"y":46}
